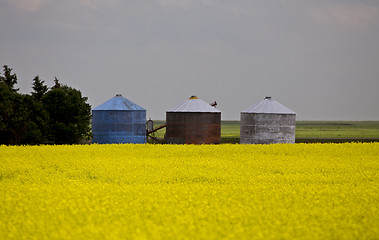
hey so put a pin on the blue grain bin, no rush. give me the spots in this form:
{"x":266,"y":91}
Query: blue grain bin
{"x":119,"y":120}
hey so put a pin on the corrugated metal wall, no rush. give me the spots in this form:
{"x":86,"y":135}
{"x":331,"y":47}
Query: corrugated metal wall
{"x":119,"y":126}
{"x":193,"y":127}
{"x":267,"y":128}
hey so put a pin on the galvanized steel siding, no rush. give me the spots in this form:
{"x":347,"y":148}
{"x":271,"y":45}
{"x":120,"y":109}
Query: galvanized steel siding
{"x":267,"y":128}
{"x":119,"y":126}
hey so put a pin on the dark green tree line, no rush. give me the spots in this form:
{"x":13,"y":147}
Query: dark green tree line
{"x":56,"y":115}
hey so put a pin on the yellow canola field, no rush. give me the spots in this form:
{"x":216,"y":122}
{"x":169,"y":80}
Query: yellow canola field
{"x":283,"y":191}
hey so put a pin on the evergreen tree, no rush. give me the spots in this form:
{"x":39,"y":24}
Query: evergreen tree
{"x":56,"y":116}
{"x":57,"y":83}
{"x":9,"y":79}
{"x":6,"y":111}
{"x":20,"y":119}
{"x":38,"y":125}
{"x":13,"y":116}
{"x":12,"y":112}
{"x":39,"y":88}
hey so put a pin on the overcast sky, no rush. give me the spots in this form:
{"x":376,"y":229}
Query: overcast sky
{"x":319,"y":58}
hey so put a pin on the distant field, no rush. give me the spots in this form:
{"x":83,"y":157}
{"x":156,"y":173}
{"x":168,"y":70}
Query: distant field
{"x":337,"y":129}
{"x":309,"y":131}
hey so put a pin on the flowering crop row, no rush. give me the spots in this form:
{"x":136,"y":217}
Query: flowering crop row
{"x":303,"y":191}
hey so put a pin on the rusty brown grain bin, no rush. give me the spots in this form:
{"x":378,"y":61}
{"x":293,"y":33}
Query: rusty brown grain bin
{"x":193,"y":122}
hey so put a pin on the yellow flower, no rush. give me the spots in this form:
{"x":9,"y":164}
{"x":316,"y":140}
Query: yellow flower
{"x":127,"y":191}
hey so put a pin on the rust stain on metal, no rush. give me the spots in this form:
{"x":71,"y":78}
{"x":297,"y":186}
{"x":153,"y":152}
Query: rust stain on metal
{"x":193,"y":127}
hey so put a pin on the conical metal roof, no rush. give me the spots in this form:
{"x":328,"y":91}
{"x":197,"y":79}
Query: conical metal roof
{"x":193,"y":104}
{"x":118,"y":103}
{"x":269,"y":105}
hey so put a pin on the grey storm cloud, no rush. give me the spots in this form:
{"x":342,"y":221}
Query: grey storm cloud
{"x":319,"y":58}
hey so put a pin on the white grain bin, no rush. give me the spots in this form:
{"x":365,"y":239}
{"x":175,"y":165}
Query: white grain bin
{"x":267,"y":122}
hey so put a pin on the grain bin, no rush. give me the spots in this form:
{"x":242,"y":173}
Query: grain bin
{"x":118,"y":120}
{"x":193,"y":122}
{"x":267,"y":122}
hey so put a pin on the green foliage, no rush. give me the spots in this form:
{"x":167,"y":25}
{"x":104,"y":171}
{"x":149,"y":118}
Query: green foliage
{"x":9,"y":79}
{"x":37,"y":122}
{"x":59,"y":115}
{"x":13,"y":114}
{"x":6,"y":108}
{"x":39,"y":88}
{"x":69,"y":113}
